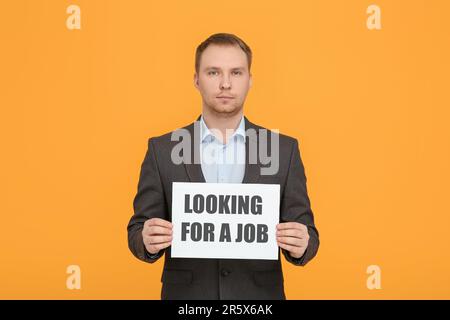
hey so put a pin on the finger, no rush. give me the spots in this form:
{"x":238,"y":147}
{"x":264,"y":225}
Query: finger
{"x":291,"y":241}
{"x":157,"y":247}
{"x":291,"y":233}
{"x":160,"y":222}
{"x":159,"y":239}
{"x":149,"y":242}
{"x":287,"y":247}
{"x":290,"y":225}
{"x":154,"y":230}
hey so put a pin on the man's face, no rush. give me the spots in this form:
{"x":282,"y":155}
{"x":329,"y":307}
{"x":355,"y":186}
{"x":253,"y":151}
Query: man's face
{"x":223,"y":78}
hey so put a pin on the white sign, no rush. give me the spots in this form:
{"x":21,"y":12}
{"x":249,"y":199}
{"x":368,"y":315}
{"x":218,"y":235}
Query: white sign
{"x":225,"y":220}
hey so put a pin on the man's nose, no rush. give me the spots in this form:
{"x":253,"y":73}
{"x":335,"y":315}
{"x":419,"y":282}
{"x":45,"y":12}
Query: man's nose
{"x":225,"y":83}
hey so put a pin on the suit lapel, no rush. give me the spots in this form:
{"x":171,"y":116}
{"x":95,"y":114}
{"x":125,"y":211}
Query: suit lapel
{"x":252,"y":170}
{"x":194,"y":169}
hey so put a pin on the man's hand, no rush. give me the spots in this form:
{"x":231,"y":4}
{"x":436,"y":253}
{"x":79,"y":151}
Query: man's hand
{"x":157,"y":234}
{"x":293,"y":237}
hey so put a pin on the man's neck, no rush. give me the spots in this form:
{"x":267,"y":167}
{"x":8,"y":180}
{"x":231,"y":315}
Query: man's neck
{"x":222,"y":122}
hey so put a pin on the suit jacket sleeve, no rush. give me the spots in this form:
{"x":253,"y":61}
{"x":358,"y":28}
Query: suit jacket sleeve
{"x":148,"y":203}
{"x":295,"y":206}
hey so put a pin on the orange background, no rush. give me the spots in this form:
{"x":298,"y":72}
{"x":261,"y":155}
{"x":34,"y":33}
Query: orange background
{"x":370,"y":109}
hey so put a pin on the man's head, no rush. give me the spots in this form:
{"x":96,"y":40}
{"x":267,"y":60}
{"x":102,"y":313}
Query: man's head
{"x":222,"y":73}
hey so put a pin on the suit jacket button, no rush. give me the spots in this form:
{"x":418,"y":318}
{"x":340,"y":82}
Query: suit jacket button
{"x":225,"y":272}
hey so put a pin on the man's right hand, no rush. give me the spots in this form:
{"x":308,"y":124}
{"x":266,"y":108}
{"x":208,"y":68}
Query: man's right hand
{"x":157,"y":234}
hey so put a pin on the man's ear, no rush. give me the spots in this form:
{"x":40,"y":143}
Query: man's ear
{"x":196,"y":80}
{"x":250,"y":81}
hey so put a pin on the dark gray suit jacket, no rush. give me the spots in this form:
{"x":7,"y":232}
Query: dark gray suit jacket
{"x":188,"y":278}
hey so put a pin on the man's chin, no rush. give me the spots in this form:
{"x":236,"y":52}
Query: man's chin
{"x":226,"y":110}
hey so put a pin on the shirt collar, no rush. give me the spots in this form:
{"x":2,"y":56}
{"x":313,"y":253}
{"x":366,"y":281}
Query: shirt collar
{"x":207,"y":135}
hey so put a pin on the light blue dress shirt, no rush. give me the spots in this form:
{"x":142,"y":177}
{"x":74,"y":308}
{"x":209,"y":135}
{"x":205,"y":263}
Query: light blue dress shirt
{"x":222,"y":163}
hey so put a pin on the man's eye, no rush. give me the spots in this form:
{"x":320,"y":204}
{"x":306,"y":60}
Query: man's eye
{"x":237,"y":72}
{"x":212,"y":72}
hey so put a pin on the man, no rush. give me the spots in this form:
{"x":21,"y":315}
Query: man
{"x":222,"y":75}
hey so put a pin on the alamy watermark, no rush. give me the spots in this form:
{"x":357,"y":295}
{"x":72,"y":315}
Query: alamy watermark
{"x":258,"y":148}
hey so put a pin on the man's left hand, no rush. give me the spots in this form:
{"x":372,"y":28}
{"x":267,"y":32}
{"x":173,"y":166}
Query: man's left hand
{"x":293,"y":237}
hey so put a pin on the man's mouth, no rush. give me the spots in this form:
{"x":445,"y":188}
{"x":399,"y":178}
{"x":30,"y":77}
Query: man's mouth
{"x":225,"y":97}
